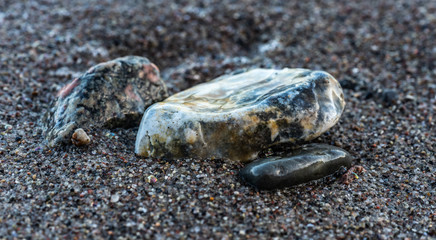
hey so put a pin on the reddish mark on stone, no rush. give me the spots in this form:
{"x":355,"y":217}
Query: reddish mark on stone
{"x":65,"y":91}
{"x":155,"y":67}
{"x":131,"y":94}
{"x":151,"y":72}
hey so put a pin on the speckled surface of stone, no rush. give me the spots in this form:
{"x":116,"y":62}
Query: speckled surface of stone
{"x":236,"y":116}
{"x":310,"y":162}
{"x":111,"y":94}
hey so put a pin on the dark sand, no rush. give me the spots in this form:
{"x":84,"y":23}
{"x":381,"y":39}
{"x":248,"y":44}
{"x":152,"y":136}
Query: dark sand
{"x":384,"y":54}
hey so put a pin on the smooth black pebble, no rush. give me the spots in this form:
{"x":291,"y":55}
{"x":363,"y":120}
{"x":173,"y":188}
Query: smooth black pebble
{"x":310,"y":162}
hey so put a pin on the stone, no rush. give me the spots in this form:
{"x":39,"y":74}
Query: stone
{"x":238,"y":115}
{"x":389,"y":97}
{"x":80,"y":138}
{"x":310,"y":162}
{"x":110,"y":95}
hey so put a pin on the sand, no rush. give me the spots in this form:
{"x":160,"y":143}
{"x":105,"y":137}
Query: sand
{"x":382,"y":52}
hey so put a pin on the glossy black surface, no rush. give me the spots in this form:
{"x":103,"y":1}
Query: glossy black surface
{"x":310,"y":162}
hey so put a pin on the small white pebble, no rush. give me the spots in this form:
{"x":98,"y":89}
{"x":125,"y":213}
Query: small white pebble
{"x":80,"y":138}
{"x":115,"y":198}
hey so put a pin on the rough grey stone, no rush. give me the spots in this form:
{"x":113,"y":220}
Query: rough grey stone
{"x":111,"y":94}
{"x":236,"y":116}
{"x":310,"y":162}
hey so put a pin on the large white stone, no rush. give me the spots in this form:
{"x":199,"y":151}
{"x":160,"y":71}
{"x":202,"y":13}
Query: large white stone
{"x":236,"y":116}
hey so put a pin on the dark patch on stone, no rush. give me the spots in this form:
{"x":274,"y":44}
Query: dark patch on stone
{"x":310,"y":162}
{"x":111,"y":95}
{"x":291,"y":130}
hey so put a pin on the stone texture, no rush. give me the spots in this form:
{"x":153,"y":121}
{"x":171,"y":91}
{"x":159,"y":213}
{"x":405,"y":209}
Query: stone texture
{"x":238,"y":115}
{"x":310,"y":162}
{"x":111,"y":94}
